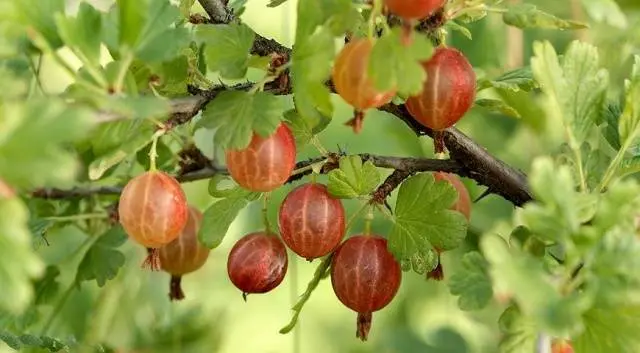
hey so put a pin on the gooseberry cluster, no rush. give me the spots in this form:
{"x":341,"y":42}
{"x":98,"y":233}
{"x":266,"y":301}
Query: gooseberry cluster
{"x":365,"y":276}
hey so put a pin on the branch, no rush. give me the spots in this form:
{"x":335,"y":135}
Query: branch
{"x":398,"y":163}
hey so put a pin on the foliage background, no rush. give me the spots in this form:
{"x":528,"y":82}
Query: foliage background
{"x":133,"y":313}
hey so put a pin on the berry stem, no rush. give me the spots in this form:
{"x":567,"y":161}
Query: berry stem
{"x":367,"y":220}
{"x":354,"y":217}
{"x":318,"y":145}
{"x":375,"y":12}
{"x":265,"y":214}
{"x":153,"y":153}
{"x":78,"y":217}
{"x":313,"y":284}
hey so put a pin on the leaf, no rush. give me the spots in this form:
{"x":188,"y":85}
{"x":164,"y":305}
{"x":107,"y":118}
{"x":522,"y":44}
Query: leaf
{"x":497,"y":106}
{"x":40,"y":15}
{"x":82,"y":33}
{"x":146,"y":30}
{"x":50,"y":123}
{"x":276,"y":3}
{"x":11,"y":340}
{"x":237,"y":115}
{"x":611,"y":117}
{"x":423,"y":220}
{"x":396,"y":65}
{"x":528,"y":16}
{"x":472,"y":282}
{"x":353,"y":178}
{"x":218,"y":217}
{"x":338,"y":15}
{"x":18,"y":261}
{"x":185,"y":7}
{"x":47,"y":287}
{"x":103,"y":261}
{"x":629,"y":125}
{"x":515,"y":80}
{"x":455,"y":26}
{"x":575,"y":89}
{"x":227,"y":48}
{"x":609,"y":330}
{"x":607,"y":11}
{"x":299,"y":127}
{"x":520,"y":332}
{"x":523,"y":276}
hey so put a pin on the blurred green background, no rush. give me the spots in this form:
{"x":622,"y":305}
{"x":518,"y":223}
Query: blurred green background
{"x":133,"y":314}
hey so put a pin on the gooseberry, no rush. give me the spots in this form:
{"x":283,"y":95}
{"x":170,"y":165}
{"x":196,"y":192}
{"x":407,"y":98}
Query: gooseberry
{"x":365,"y":277}
{"x":184,"y":254}
{"x":153,"y":211}
{"x":561,"y":346}
{"x":447,"y":93}
{"x":311,"y":221}
{"x":352,"y":82}
{"x":266,"y":163}
{"x":414,"y":9}
{"x":257,"y":263}
{"x":463,"y":203}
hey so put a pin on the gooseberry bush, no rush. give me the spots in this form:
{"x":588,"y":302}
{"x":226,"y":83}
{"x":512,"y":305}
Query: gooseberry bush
{"x":158,"y":95}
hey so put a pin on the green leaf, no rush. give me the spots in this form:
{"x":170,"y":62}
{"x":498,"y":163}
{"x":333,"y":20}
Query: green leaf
{"x":455,"y":26}
{"x":83,"y":33}
{"x":227,"y":48}
{"x":353,"y":178}
{"x":520,"y":333}
{"x":237,"y":115}
{"x":299,"y":127}
{"x":497,"y":106}
{"x":472,"y":282}
{"x":528,"y":16}
{"x":515,"y":80}
{"x":185,"y":7}
{"x":523,"y":276}
{"x":103,"y":261}
{"x":276,"y":3}
{"x":393,"y":64}
{"x":18,"y":261}
{"x":40,"y":15}
{"x":611,"y":117}
{"x":609,"y":330}
{"x":575,"y":88}
{"x":50,"y":123}
{"x":146,"y":30}
{"x":607,"y":11}
{"x":630,"y":119}
{"x":11,"y":340}
{"x":218,"y":218}
{"x":338,"y":15}
{"x":47,"y":287}
{"x":423,"y":220}
{"x":629,"y":166}
{"x":554,"y":215}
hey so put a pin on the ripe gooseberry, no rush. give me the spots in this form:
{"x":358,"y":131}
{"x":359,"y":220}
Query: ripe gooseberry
{"x":414,"y":9}
{"x":311,"y":221}
{"x":365,"y":277}
{"x":153,"y":211}
{"x":447,"y":93}
{"x":184,"y":254}
{"x":352,"y":82}
{"x":266,"y":163}
{"x":462,"y":205}
{"x":561,"y":346}
{"x":257,"y":263}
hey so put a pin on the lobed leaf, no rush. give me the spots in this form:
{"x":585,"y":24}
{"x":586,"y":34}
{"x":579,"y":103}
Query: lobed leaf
{"x":423,"y":220}
{"x":529,"y":16}
{"x":227,"y":48}
{"x":237,"y":115}
{"x":218,"y":217}
{"x":497,"y":106}
{"x":516,"y":80}
{"x":103,"y":261}
{"x":353,"y":178}
{"x":472,"y":282}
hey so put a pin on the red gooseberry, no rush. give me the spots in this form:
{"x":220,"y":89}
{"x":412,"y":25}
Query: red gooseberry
{"x":447,"y":93}
{"x":350,"y":77}
{"x":414,"y":9}
{"x":561,"y":346}
{"x":153,"y":211}
{"x":184,"y":254}
{"x":311,"y":221}
{"x":365,"y":277}
{"x":266,"y":163}
{"x":257,"y":263}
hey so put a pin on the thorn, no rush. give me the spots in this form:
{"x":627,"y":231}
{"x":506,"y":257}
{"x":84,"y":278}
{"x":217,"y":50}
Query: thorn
{"x":484,"y":194}
{"x":388,"y":206}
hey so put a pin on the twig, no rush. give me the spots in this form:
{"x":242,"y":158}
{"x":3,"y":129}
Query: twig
{"x":401,"y":163}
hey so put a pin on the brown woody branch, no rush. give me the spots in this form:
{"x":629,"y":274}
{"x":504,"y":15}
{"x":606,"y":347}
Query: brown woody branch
{"x":411,"y":165}
{"x":468,"y":159}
